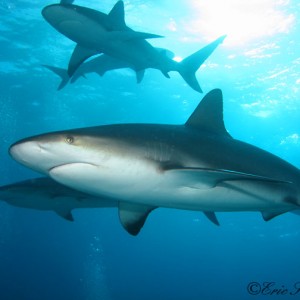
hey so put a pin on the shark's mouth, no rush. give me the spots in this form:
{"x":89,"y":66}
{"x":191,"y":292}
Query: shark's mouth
{"x":70,"y":166}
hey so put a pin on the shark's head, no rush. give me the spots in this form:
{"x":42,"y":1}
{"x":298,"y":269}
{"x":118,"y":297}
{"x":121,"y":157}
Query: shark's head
{"x":83,"y":157}
{"x":57,"y":14}
{"x":43,"y":153}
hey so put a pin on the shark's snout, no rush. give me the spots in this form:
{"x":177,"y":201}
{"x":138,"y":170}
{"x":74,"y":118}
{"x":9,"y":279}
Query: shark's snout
{"x":24,"y":151}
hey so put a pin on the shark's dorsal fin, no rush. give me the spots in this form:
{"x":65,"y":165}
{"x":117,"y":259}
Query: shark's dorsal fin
{"x":133,"y":216}
{"x":117,"y":16}
{"x":208,"y":115}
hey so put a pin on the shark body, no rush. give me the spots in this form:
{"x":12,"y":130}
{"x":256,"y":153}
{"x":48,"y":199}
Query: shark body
{"x":195,"y":166}
{"x":95,"y":32}
{"x":99,"y":65}
{"x":45,"y":194}
{"x":48,"y":195}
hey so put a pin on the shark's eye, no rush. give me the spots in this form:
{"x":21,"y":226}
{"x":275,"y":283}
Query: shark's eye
{"x":69,"y":139}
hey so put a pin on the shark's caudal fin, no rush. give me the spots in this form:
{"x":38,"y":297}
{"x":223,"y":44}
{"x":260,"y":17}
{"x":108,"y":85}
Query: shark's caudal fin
{"x":62,"y":73}
{"x":192,"y":63}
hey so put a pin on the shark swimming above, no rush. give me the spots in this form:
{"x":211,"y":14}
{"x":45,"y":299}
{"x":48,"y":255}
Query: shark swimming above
{"x":99,"y":65}
{"x":195,"y":166}
{"x":48,"y":195}
{"x":95,"y":33}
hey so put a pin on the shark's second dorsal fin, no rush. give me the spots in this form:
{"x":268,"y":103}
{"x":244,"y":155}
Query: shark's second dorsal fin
{"x":117,"y":16}
{"x":208,"y":115}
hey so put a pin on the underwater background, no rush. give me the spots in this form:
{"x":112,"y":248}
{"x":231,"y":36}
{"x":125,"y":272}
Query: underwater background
{"x":178,"y":254}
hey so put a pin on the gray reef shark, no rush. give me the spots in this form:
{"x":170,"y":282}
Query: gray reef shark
{"x":195,"y":166}
{"x":95,"y":32}
{"x":99,"y":65}
{"x":46,"y":194}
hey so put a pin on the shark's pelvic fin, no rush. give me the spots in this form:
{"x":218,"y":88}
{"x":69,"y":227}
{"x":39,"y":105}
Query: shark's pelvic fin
{"x":62,"y":73}
{"x":189,"y":65}
{"x":79,"y":55}
{"x":133,"y":216}
{"x":117,"y":16}
{"x":267,"y":216}
{"x":208,"y":115}
{"x":166,"y":52}
{"x":64,"y":213}
{"x":212,"y":217}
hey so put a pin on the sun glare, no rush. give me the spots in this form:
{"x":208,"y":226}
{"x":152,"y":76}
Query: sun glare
{"x":241,"y":20}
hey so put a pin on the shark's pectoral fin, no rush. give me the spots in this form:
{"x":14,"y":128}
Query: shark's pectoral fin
{"x":133,"y":216}
{"x":124,"y":36}
{"x":79,"y":55}
{"x":212,"y":217}
{"x":140,"y":75}
{"x":204,"y":178}
{"x":64,"y":213}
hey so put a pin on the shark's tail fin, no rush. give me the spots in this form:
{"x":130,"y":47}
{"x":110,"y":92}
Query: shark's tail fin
{"x":62,"y":73}
{"x":192,"y":63}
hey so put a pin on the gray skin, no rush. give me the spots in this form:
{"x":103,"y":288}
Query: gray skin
{"x":195,"y":166}
{"x":45,"y":194}
{"x":99,"y":65}
{"x":96,"y":32}
{"x":48,"y":195}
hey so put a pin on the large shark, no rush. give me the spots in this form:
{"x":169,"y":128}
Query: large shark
{"x":195,"y":166}
{"x":96,"y":32}
{"x":99,"y":65}
{"x":46,"y":194}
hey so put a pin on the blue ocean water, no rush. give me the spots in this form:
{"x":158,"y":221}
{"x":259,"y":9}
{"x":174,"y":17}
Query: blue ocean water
{"x":178,"y":254}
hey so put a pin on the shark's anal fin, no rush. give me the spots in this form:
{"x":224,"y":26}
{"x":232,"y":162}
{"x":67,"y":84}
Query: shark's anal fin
{"x":212,"y":217}
{"x":133,"y":216}
{"x":140,"y":75}
{"x":79,"y":55}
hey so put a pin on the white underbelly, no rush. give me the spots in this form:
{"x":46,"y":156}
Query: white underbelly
{"x":144,"y":184}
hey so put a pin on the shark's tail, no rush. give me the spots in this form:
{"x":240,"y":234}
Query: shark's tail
{"x":62,"y":73}
{"x":192,"y":63}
